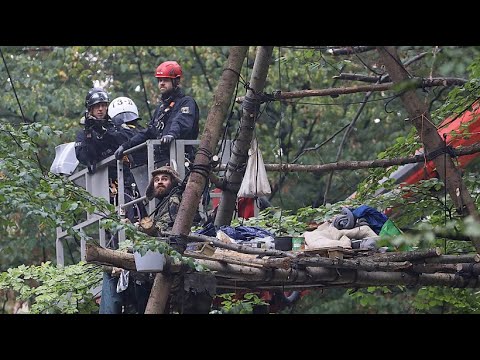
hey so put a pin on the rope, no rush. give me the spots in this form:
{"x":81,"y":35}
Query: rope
{"x":204,"y":151}
{"x":443,"y":150}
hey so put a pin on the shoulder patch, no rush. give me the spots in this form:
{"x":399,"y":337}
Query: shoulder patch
{"x":185,"y":110}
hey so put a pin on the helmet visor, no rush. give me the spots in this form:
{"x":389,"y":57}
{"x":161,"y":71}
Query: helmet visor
{"x":125,"y":117}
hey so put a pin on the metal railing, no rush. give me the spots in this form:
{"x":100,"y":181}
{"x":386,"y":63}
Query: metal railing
{"x":98,"y":185}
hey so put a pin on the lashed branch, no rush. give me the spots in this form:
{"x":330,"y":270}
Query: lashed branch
{"x":359,"y":264}
{"x":408,"y":255}
{"x":366,"y":164}
{"x":336,"y":272}
{"x":374,"y":79}
{"x":323,"y":277}
{"x":454,"y":259}
{"x":350,"y":50}
{"x":433,"y":268}
{"x":418,"y":82}
{"x":384,"y":77}
{"x":257,"y":263}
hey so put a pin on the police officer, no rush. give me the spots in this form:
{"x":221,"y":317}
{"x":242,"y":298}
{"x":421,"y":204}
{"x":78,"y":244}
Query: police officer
{"x":100,"y":137}
{"x":98,"y":140}
{"x":176,"y":117}
{"x":123,"y":112}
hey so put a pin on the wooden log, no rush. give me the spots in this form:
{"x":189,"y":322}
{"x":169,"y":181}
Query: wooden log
{"x":348,"y":278}
{"x":433,"y":268}
{"x":147,"y":226}
{"x":470,"y":268}
{"x":281,"y":263}
{"x":454,"y":259}
{"x":358,"y":264}
{"x":349,"y":50}
{"x":256,"y":274}
{"x":406,"y":256}
{"x":354,"y":165}
{"x":312,"y":276}
{"x":99,"y":255}
{"x":398,"y":278}
{"x":257,"y":263}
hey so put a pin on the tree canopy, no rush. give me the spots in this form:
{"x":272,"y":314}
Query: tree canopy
{"x":43,"y":97}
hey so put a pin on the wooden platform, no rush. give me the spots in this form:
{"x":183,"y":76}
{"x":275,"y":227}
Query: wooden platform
{"x":331,"y":252}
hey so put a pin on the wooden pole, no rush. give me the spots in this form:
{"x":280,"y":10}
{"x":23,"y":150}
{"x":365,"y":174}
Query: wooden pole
{"x":241,"y":145}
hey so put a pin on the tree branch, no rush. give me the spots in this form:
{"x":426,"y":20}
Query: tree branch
{"x":350,"y":50}
{"x":367,"y":164}
{"x":418,"y":82}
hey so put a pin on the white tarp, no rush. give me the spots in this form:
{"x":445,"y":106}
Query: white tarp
{"x":65,"y":159}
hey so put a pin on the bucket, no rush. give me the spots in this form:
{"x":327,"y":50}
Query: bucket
{"x":150,"y":262}
{"x":283,"y":243}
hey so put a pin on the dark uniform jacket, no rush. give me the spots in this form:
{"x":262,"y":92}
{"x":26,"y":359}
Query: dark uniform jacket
{"x":137,"y":157}
{"x":177,"y":115}
{"x":104,"y":140}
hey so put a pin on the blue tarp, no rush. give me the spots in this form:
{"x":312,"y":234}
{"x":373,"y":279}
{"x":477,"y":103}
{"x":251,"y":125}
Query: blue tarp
{"x":245,"y":233}
{"x":374,"y":217}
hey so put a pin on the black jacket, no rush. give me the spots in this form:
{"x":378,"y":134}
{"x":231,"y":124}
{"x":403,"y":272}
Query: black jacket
{"x":179,"y":115}
{"x":94,"y":144}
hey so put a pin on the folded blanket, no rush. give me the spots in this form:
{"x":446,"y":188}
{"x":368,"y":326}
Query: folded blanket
{"x":326,"y":235}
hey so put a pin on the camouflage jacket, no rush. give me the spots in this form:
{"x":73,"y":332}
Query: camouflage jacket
{"x":165,"y":214}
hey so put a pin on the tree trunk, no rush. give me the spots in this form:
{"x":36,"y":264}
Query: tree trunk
{"x":159,"y":294}
{"x":238,"y":160}
{"x":419,"y":116}
{"x":208,"y":144}
{"x":197,"y":179}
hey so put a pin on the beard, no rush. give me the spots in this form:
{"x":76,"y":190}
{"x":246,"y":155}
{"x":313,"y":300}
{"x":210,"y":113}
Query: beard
{"x":161,"y":191}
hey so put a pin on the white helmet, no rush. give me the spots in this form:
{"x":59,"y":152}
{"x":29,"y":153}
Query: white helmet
{"x":122,"y":110}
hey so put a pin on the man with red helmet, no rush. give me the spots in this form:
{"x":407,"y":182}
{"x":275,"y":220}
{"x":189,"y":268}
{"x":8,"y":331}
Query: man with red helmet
{"x":176,"y":117}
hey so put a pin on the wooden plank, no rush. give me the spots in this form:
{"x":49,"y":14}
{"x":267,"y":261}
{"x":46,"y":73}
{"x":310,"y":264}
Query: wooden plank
{"x":330,"y":252}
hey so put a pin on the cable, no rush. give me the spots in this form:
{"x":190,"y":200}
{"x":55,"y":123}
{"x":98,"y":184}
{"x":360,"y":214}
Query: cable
{"x":13,"y":87}
{"x":445,"y":185}
{"x":143,"y":83}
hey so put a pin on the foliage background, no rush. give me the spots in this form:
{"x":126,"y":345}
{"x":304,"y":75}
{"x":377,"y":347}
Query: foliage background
{"x":50,"y":84}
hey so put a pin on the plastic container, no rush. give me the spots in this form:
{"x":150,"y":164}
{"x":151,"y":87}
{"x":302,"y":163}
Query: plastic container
{"x":283,"y":243}
{"x":150,"y":262}
{"x":298,"y":243}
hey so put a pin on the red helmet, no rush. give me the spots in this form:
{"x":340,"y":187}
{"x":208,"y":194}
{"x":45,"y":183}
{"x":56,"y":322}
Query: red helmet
{"x":169,"y":69}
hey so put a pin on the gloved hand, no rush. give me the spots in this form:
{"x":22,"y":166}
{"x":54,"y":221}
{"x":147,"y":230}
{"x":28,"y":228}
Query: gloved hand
{"x":166,"y":139}
{"x":119,"y":152}
{"x":90,"y":121}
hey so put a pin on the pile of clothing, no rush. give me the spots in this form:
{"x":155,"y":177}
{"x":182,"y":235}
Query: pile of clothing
{"x":358,"y":228}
